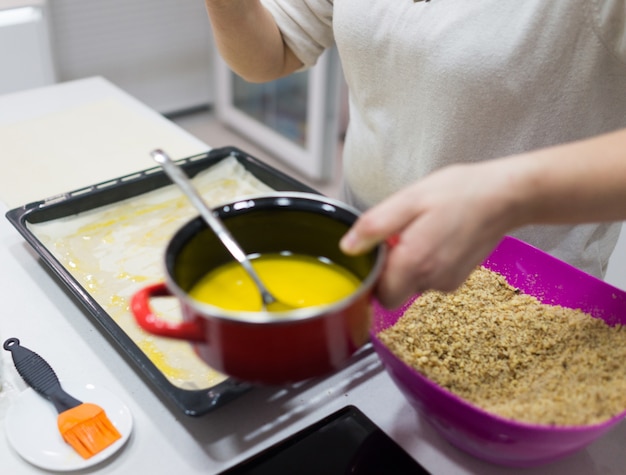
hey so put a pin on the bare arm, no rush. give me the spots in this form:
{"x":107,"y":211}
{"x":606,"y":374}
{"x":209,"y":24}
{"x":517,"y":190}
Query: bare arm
{"x":579,"y":182}
{"x":248,"y":39}
{"x":448,"y":222}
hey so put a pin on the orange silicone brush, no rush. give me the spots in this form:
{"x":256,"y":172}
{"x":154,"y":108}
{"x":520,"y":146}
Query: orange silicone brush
{"x":84,"y":426}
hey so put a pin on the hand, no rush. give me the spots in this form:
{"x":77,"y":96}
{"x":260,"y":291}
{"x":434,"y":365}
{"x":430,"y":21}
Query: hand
{"x":442,"y":226}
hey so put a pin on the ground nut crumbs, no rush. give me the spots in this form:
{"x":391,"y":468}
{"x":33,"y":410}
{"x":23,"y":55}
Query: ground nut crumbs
{"x":509,"y":354}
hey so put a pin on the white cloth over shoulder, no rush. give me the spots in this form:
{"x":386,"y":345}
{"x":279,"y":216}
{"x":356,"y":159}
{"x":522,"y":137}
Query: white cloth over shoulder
{"x":433,"y":83}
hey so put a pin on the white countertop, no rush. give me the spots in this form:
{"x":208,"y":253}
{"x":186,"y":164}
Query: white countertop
{"x":48,"y":320}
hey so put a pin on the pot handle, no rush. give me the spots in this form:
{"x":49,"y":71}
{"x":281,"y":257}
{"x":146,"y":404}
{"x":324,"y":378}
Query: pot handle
{"x":192,"y":331}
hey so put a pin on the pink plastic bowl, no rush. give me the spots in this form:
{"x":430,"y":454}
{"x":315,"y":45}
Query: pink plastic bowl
{"x":476,"y":431}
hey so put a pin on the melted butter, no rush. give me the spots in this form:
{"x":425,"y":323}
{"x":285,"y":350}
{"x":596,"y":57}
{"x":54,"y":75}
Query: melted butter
{"x":297,"y":280}
{"x":132,"y":278}
{"x":157,"y":356}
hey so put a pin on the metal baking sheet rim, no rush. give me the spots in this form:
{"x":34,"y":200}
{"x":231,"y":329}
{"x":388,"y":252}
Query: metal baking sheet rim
{"x":190,"y":402}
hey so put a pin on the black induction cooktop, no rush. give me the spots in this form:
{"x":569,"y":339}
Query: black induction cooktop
{"x":346,"y":442}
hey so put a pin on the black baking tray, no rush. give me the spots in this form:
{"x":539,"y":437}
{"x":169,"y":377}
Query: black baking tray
{"x":191,"y":402}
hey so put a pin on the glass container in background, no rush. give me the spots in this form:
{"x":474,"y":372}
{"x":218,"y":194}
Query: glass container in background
{"x":281,"y":105}
{"x":296,"y":118}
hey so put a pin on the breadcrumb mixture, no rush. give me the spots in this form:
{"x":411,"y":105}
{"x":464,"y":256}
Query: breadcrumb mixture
{"x":511,"y":355}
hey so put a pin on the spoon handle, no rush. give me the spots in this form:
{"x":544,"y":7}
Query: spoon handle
{"x":178,"y":176}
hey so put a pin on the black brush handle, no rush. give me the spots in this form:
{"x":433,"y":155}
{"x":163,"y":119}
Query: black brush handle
{"x":39,"y":375}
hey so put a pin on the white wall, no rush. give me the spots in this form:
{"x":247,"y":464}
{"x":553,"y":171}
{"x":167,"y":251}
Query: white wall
{"x":157,"y":50}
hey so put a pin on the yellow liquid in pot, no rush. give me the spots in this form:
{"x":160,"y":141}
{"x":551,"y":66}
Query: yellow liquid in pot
{"x":297,"y":280}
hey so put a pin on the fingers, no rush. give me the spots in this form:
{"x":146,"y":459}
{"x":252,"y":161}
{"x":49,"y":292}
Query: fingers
{"x":441,"y":228}
{"x":407,"y":275}
{"x":433,"y":264}
{"x":419,"y":261}
{"x":380,"y":223}
{"x":397,"y":282}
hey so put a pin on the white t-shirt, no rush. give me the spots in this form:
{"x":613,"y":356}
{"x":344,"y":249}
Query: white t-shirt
{"x":433,"y":83}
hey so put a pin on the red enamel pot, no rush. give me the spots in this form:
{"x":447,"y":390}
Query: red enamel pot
{"x":259,"y":347}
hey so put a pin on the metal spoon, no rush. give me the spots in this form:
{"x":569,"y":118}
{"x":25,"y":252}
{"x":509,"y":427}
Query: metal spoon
{"x":178,"y":176}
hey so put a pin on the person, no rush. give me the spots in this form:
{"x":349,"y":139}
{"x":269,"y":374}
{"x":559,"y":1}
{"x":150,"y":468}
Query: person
{"x":432,"y":84}
{"x":440,"y":237}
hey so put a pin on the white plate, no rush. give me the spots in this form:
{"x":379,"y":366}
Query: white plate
{"x":31,"y":427}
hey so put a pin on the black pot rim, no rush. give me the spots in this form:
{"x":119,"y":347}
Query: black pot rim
{"x":307,"y":202}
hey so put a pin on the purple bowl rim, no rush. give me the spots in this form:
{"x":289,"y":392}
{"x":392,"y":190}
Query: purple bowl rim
{"x":470,"y":406}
